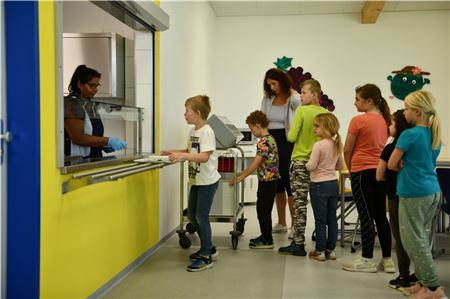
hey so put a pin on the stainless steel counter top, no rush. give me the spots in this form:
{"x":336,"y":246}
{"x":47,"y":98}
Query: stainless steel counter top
{"x":76,"y":165}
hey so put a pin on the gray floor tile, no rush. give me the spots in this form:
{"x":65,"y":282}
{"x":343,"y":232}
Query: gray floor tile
{"x":251,"y":273}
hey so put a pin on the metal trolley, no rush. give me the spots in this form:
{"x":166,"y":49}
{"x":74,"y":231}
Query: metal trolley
{"x":228,"y":204}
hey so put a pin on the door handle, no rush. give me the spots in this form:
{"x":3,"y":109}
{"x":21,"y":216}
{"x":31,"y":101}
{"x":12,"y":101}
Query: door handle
{"x":7,"y":136}
{"x":4,"y":137}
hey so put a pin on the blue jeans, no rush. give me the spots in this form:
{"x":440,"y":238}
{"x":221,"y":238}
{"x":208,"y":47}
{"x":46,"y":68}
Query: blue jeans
{"x":199,"y":205}
{"x":324,"y":199}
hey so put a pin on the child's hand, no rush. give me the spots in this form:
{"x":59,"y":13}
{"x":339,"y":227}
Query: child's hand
{"x":176,"y":156}
{"x":231,"y":182}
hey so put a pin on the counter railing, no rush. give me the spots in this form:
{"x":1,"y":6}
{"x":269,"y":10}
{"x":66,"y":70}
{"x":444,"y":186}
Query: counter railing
{"x":94,"y":176}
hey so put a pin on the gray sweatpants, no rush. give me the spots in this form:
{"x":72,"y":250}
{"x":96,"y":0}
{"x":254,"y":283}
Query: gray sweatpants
{"x":416,"y":216}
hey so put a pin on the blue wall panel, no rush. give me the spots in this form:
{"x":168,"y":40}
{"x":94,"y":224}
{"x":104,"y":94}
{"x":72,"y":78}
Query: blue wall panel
{"x":23,"y":199}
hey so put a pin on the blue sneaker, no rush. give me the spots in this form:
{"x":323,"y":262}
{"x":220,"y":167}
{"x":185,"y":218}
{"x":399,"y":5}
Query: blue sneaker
{"x":261,"y":243}
{"x":293,"y":249}
{"x":252,"y":241}
{"x":196,"y":255}
{"x":200,"y":264}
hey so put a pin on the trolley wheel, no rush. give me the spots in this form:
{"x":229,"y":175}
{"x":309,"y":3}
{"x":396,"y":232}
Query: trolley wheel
{"x":234,"y":241}
{"x":234,"y":238}
{"x":240,"y":225}
{"x":313,"y":236}
{"x":190,"y":228}
{"x":353,"y":249}
{"x":184,"y":241}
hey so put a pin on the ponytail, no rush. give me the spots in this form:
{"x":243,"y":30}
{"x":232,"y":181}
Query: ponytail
{"x":385,"y":111}
{"x":425,"y":102}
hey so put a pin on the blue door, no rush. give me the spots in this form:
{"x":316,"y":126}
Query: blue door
{"x":2,"y":158}
{"x":23,"y":160}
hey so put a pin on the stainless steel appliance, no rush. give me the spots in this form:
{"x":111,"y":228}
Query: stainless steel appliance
{"x":227,"y":135}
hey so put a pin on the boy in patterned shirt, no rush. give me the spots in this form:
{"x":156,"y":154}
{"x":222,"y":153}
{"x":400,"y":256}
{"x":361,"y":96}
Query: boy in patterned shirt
{"x":266,"y":164}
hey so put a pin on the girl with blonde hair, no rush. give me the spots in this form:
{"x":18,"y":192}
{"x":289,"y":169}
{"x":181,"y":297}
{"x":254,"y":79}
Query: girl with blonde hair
{"x":415,"y":158}
{"x":325,"y":159}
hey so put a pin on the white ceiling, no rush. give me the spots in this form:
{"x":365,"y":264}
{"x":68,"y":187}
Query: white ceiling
{"x":231,"y":8}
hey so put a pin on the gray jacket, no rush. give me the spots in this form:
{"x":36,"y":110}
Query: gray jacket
{"x":294,"y":102}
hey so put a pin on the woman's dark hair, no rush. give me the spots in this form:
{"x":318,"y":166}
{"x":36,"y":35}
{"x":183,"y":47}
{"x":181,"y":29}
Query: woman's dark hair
{"x":400,"y":123}
{"x":83,"y":74}
{"x":281,"y":77}
{"x":371,"y":91}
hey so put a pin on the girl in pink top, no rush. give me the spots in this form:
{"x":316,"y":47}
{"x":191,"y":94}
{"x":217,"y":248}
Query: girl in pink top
{"x":325,"y":159}
{"x":367,"y":135}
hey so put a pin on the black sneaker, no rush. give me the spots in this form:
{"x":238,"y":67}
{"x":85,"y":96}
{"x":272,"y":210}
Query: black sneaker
{"x":294,"y":249}
{"x":405,"y":282}
{"x":261,"y":243}
{"x":196,"y":255}
{"x":412,"y":279}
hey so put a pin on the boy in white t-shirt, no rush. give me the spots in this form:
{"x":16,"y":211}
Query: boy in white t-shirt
{"x":203,"y":177}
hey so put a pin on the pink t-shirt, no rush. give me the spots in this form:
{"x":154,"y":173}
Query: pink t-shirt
{"x":324,"y":161}
{"x":371,"y":132}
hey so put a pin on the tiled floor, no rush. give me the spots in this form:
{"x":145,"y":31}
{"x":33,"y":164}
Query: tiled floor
{"x":252,"y":273}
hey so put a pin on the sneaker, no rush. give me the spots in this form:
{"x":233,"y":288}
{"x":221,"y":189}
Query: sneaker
{"x":412,"y":279}
{"x":279,"y":228}
{"x":361,"y":264}
{"x":411,"y":290}
{"x":426,"y":293}
{"x":260,"y":243}
{"x":400,"y":282}
{"x":253,"y":241}
{"x":387,"y":264}
{"x":317,"y":255}
{"x":330,"y":255}
{"x":200,"y":264}
{"x":196,"y":255}
{"x":293,"y":249}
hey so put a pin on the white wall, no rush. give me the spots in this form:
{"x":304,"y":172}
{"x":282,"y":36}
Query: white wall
{"x":227,"y":57}
{"x":338,"y":50}
{"x":187,"y":51}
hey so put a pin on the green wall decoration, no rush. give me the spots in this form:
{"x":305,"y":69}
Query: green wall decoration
{"x":408,"y":79}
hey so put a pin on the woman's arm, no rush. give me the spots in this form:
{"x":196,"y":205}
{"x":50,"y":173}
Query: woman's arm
{"x":348,"y":150}
{"x":395,"y":161}
{"x":381,"y":171}
{"x":75,"y":129}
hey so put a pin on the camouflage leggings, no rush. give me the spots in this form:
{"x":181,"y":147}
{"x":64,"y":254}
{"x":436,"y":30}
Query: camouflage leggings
{"x":300,"y":187}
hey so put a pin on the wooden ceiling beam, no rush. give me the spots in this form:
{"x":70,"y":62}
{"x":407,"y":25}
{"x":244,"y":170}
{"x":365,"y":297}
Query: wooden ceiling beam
{"x":371,"y":11}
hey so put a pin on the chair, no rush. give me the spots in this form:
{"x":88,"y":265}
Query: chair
{"x":345,"y":207}
{"x":440,"y":223}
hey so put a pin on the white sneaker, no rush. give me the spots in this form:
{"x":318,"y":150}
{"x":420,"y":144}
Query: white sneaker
{"x":361,"y":264}
{"x":278,"y":228}
{"x":330,"y":255}
{"x":387,"y":264}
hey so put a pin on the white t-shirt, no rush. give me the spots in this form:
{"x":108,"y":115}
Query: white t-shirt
{"x":203,"y":140}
